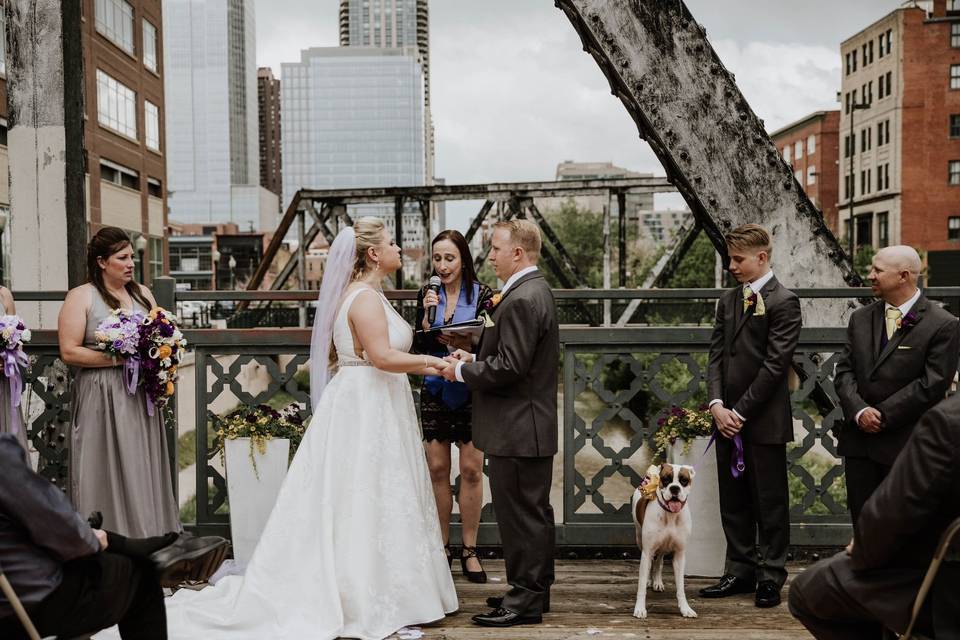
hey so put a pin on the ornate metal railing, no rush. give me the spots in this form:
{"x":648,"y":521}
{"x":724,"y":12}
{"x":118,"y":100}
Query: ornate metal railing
{"x":615,"y":385}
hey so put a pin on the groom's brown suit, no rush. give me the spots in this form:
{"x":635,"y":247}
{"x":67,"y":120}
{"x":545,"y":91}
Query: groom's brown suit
{"x":514,"y":384}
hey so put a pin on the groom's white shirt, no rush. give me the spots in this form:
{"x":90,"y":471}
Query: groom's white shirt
{"x":510,"y":281}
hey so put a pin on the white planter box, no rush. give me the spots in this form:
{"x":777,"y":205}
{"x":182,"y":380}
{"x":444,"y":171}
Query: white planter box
{"x":252,"y":497}
{"x":707,"y":547}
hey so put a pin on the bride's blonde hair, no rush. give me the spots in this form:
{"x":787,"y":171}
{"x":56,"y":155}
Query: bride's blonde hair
{"x":369,"y":233}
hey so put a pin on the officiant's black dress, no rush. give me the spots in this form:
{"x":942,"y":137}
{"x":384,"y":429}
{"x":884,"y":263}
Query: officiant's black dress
{"x":445,"y":407}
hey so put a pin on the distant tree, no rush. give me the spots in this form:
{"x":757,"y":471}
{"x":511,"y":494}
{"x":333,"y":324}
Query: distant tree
{"x":696,"y":268}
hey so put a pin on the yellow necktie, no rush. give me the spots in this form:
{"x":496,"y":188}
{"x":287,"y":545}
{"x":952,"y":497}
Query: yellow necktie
{"x":893,"y":316}
{"x":747,"y":294}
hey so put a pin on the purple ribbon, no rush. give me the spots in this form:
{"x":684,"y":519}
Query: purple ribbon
{"x":131,"y":373}
{"x":737,"y":465}
{"x":150,"y":407}
{"x":13,"y":360}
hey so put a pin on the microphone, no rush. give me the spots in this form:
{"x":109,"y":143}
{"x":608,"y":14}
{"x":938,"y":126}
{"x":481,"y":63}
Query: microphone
{"x":434,"y":286}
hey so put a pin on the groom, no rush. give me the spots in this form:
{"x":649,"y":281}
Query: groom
{"x":514,"y":384}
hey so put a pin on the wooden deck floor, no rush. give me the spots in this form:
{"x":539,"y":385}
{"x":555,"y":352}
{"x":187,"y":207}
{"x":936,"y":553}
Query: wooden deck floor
{"x":595,"y":598}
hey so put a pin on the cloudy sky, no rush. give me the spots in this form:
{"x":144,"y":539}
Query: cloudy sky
{"x":514,"y":93}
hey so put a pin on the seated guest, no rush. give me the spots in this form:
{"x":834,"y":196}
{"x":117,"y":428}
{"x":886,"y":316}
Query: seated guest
{"x":872,"y":585}
{"x":54,"y":562}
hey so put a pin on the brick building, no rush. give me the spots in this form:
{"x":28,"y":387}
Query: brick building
{"x":268,"y":115}
{"x":904,"y":71}
{"x":811,"y":146}
{"x":124,"y":130}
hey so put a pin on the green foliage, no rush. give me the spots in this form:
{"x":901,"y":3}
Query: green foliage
{"x":697,"y":268}
{"x":186,"y":450}
{"x":863,"y":259}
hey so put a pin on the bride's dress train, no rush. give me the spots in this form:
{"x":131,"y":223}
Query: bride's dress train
{"x":353,"y":545}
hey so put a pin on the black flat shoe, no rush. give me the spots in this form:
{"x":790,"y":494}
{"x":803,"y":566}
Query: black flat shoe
{"x":479,"y":577}
{"x":504,"y":618}
{"x":494,"y":602}
{"x":728,"y":586}
{"x":768,"y":594}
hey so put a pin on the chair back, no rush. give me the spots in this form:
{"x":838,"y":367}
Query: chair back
{"x":14,"y":601}
{"x":945,"y":541}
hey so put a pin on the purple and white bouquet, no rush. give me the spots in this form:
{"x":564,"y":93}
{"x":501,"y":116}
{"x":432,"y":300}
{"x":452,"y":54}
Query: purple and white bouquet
{"x":13,"y":334}
{"x":161,"y":347}
{"x":118,"y":335}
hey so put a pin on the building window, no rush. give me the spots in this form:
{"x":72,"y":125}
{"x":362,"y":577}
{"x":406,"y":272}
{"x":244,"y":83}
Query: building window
{"x":886,"y":176}
{"x":116,"y":105}
{"x":953,"y":5}
{"x":863,"y":182}
{"x":119,"y":175}
{"x":955,"y":35}
{"x":955,"y":125}
{"x":151,"y":125}
{"x":854,"y":59}
{"x":848,"y":64}
{"x":846,"y":187}
{"x":955,"y":76}
{"x":115,"y":22}
{"x":870,"y":49}
{"x":889,"y":79}
{"x":154,"y":188}
{"x":149,"y":46}
{"x":798,"y":150}
{"x":155,"y":246}
{"x":3,"y":43}
{"x":811,"y":145}
{"x":953,"y":171}
{"x":883,"y":229}
{"x":880,"y":88}
{"x":880,"y":42}
{"x":786,"y":153}
{"x":846,"y":102}
{"x":811,"y":175}
{"x":889,"y":40}
{"x":798,"y":176}
{"x":953,"y":228}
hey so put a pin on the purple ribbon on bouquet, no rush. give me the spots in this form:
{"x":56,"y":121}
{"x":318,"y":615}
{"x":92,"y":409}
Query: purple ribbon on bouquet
{"x":13,"y":360}
{"x":150,"y":406}
{"x":737,"y":465}
{"x":131,"y":373}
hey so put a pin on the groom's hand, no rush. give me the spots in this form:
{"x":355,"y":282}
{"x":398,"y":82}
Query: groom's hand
{"x":460,"y":354}
{"x":450,"y":373}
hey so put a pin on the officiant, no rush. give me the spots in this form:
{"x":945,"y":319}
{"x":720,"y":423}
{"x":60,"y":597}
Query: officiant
{"x":445,"y":407}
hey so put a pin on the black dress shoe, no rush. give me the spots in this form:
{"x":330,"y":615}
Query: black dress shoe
{"x":768,"y":594}
{"x":504,"y":618}
{"x":494,"y":602}
{"x":728,"y":586}
{"x":189,"y":558}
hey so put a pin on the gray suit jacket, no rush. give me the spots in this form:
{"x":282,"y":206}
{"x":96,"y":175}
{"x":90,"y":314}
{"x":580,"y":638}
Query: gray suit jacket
{"x":514,"y":378}
{"x":750,"y":357}
{"x":910,"y":375}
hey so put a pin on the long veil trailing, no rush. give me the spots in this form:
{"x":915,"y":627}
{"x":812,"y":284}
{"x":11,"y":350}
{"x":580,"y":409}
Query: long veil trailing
{"x":336,"y":276}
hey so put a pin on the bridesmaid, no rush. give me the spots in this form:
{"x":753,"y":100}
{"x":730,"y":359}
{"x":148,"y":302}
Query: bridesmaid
{"x":445,"y":408}
{"x":119,"y":461}
{"x":8,"y":424}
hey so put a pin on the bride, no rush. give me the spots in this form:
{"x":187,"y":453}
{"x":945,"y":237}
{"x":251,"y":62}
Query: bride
{"x":353,"y":546}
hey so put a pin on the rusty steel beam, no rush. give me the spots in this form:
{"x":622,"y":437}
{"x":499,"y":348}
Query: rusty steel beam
{"x":688,"y":108}
{"x":478,"y":220}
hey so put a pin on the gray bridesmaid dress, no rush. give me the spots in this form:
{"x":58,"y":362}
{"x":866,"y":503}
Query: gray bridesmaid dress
{"x":119,"y":460}
{"x":6,"y":425}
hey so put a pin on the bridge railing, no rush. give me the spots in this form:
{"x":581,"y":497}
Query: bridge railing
{"x":615,"y":383}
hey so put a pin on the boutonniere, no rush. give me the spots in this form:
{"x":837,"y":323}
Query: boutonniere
{"x":755,"y":301}
{"x":907,"y":322}
{"x":487,"y":309}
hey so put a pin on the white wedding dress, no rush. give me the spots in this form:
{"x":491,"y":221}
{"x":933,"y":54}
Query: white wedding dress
{"x":353,"y":546}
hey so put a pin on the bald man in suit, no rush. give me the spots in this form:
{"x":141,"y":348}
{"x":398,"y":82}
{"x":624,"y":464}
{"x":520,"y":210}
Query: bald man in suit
{"x":899,"y":360}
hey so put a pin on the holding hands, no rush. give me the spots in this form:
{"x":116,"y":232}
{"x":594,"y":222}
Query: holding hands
{"x":728,"y":424}
{"x":450,"y":373}
{"x":433,"y":366}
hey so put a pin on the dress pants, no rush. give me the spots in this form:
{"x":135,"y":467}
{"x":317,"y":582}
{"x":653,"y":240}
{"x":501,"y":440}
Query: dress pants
{"x":863,"y":476}
{"x":755,"y":511}
{"x":520,"y":488}
{"x":98,"y":592}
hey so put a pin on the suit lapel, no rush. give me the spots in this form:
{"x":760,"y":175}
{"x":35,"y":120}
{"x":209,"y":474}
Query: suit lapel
{"x":766,"y":292}
{"x":899,"y":334}
{"x":526,"y":278}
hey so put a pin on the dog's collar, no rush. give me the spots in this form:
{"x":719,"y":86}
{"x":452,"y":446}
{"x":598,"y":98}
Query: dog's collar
{"x":663,"y":505}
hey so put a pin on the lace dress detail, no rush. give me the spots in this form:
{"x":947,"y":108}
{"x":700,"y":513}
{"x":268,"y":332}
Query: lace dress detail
{"x":353,"y":546}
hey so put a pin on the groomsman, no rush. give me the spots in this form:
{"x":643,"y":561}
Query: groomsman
{"x":899,"y":360}
{"x":757,"y":329}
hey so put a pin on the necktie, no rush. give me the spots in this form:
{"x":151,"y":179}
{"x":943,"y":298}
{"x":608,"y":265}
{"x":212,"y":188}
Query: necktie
{"x":747,"y":294}
{"x":892,"y":320}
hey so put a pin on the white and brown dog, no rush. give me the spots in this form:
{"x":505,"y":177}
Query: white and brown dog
{"x":661,"y":529}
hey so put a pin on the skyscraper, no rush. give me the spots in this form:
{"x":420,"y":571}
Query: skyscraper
{"x":211,"y":91}
{"x":353,"y":118}
{"x":268,"y":108}
{"x":394,"y":24}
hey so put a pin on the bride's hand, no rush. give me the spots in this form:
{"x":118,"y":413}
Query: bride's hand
{"x":433,"y":366}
